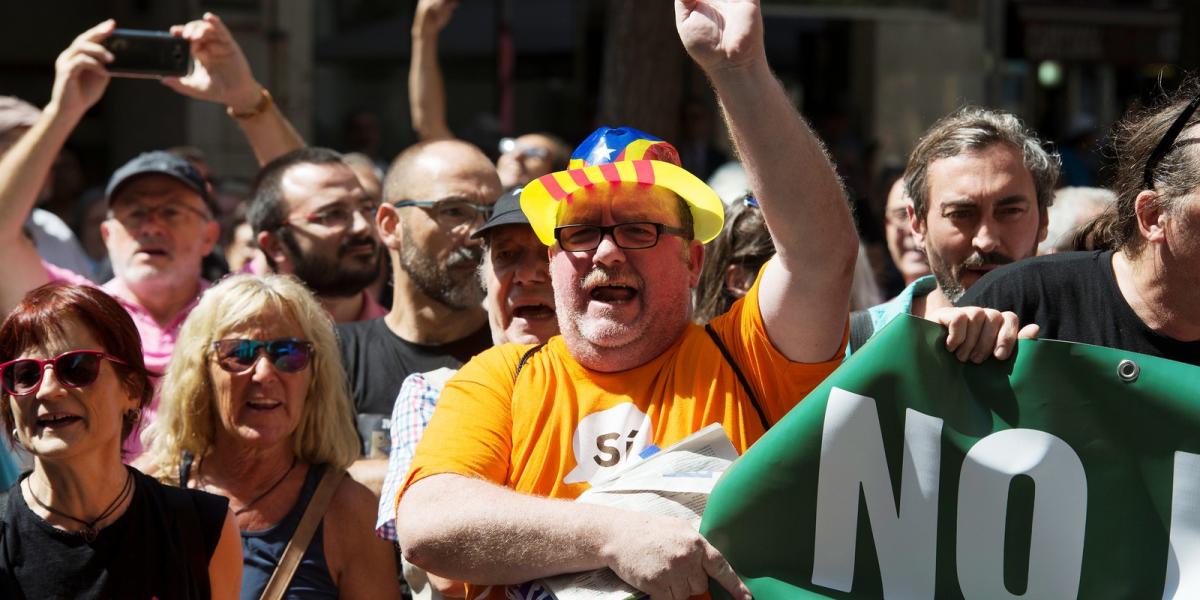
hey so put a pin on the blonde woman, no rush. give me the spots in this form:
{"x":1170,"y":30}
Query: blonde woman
{"x":254,"y":408}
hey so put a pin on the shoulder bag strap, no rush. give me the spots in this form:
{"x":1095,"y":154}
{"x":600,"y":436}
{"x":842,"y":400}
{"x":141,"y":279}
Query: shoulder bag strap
{"x":861,"y":329}
{"x":762,"y":416}
{"x":303,"y":535}
{"x":186,"y":459}
{"x":525,"y":358}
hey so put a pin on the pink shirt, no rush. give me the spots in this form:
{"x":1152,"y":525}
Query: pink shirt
{"x":371,"y":309}
{"x":157,"y":340}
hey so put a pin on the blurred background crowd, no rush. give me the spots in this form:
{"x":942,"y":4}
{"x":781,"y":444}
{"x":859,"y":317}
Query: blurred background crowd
{"x":871,"y":75}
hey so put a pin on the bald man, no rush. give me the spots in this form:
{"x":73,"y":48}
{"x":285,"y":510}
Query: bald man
{"x":436,"y":195}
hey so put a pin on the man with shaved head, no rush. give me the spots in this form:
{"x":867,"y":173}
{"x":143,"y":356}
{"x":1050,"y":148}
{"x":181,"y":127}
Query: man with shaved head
{"x":436,"y":195}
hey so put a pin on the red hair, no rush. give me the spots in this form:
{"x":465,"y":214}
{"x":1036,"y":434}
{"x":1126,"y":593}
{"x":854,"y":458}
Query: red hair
{"x":41,"y":316}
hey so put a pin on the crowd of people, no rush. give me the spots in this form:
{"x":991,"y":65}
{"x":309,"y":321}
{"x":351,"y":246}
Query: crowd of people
{"x":388,"y":377}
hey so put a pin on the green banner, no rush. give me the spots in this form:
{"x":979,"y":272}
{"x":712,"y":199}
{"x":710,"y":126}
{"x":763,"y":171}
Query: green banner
{"x":1069,"y":471}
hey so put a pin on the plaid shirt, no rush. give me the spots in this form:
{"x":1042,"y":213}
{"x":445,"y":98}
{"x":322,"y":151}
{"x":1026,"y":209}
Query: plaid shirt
{"x":410,"y":416}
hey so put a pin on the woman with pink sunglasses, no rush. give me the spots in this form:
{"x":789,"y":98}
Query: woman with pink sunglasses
{"x":81,"y":524}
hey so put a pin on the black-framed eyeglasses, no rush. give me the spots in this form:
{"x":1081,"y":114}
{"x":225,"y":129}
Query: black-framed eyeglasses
{"x":1167,"y":142}
{"x":74,"y":368}
{"x":630,"y":236}
{"x":450,"y":213}
{"x":288,"y":355}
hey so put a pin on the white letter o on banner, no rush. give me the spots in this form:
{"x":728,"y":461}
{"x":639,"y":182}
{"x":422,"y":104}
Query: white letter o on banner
{"x":1059,"y":514}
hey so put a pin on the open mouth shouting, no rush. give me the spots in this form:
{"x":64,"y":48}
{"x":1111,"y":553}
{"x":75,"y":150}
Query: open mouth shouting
{"x":613,"y":294}
{"x":532,"y":309}
{"x":612,"y":288}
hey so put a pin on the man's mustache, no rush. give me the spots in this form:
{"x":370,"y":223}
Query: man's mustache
{"x":608,"y":276}
{"x":982,"y":259}
{"x":464,"y":256}
{"x":356,"y":243}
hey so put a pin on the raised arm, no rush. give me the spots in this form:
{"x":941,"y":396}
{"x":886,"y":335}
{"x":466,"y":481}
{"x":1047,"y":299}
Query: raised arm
{"x":805,"y":291}
{"x":79,"y":81}
{"x":221,"y":74}
{"x":426,"y":92}
{"x":475,"y":531}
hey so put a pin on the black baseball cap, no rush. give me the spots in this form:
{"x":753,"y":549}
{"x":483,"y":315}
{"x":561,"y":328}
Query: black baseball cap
{"x":506,"y":211}
{"x":159,"y":162}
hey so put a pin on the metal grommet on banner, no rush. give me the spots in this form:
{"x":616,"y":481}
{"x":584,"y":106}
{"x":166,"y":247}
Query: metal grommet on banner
{"x":1128,"y":370}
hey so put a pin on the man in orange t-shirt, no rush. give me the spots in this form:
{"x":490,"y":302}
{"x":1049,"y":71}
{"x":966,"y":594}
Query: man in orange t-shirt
{"x":521,"y":428}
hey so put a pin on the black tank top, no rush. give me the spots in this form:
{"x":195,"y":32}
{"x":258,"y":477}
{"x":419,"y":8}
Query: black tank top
{"x":159,"y":548}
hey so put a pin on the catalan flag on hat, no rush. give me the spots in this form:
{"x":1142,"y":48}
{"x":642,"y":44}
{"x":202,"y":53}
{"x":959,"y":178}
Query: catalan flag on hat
{"x":615,"y":155}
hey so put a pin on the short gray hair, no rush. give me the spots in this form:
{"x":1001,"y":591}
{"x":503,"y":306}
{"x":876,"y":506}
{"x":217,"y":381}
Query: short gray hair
{"x":971,"y":129}
{"x":1073,"y":206}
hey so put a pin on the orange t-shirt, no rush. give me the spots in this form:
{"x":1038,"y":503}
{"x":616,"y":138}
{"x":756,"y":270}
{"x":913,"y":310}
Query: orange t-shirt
{"x":559,"y":424}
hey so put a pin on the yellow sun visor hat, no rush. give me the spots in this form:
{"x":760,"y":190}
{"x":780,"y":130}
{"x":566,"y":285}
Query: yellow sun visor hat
{"x":621,"y":154}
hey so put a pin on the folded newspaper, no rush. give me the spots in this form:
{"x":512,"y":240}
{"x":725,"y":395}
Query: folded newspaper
{"x":673,"y":482}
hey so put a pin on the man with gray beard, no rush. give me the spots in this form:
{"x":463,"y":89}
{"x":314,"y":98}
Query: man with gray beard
{"x":436,"y":195}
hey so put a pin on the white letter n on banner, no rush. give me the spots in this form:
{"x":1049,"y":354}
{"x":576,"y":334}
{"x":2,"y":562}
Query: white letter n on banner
{"x":852,"y":458}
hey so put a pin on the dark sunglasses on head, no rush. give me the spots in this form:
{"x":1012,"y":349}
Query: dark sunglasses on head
{"x":1168,"y":140}
{"x":75,"y":368}
{"x":288,"y":355}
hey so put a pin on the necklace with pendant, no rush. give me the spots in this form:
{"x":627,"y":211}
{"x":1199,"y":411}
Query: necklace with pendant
{"x":89,"y":531}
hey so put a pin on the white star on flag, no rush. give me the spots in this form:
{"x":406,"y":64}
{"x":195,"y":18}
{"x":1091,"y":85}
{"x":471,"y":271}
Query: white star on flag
{"x":600,"y":153}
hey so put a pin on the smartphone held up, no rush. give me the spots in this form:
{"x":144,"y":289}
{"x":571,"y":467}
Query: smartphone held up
{"x":151,"y":54}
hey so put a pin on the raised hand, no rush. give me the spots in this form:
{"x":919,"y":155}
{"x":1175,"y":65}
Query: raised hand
{"x":80,"y":76}
{"x":666,"y":558}
{"x":220,"y":72}
{"x":433,"y":15}
{"x":720,"y":34}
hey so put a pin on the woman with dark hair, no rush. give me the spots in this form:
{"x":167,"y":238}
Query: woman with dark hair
{"x":82,"y":524}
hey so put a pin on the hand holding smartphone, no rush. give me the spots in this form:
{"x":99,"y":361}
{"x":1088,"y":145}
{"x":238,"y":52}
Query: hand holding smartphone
{"x":149,"y":54}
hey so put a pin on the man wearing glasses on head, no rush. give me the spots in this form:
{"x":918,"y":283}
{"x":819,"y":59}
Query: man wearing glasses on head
{"x":1141,"y":293}
{"x":436,"y":195}
{"x":522,"y":159}
{"x":527,"y":157}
